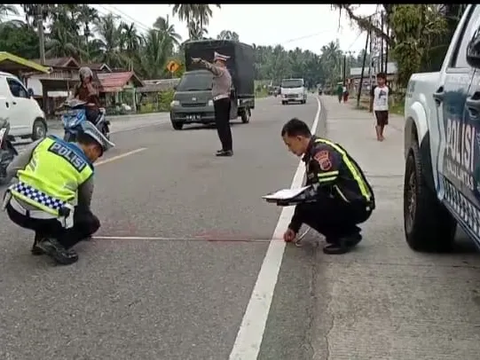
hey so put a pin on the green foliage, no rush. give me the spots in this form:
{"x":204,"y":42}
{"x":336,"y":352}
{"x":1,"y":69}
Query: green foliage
{"x":415,"y":28}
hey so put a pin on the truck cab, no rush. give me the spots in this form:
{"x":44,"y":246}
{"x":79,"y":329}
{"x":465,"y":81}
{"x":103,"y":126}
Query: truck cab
{"x":442,"y":145}
{"x":193,"y":100}
{"x":293,"y":90}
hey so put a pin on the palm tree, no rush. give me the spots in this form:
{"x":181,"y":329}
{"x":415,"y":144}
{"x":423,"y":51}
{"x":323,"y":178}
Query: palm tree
{"x":195,"y":31}
{"x":185,"y":12}
{"x":155,"y":54}
{"x":228,"y":35}
{"x":110,"y":37}
{"x":203,"y":14}
{"x":63,"y":45}
{"x":163,"y":24}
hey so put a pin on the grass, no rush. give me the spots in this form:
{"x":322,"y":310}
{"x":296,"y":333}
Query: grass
{"x":398,"y":108}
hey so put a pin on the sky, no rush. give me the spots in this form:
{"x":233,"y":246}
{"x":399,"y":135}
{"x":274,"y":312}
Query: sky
{"x":308,"y":27}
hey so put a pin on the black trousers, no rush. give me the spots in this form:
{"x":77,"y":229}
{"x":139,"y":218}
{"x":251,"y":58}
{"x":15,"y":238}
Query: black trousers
{"x":222,"y":121}
{"x":84,"y":225}
{"x":332,"y":218}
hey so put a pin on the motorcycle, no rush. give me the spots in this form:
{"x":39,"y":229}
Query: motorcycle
{"x":75,"y":114}
{"x":7,"y":150}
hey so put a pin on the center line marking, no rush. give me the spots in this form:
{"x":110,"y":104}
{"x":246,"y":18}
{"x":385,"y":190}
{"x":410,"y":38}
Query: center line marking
{"x":113,"y":158}
{"x":250,"y":334}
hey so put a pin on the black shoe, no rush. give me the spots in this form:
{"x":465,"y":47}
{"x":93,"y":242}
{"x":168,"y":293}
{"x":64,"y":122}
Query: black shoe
{"x":224,"y":153}
{"x":353,"y":240}
{"x":335,"y":249}
{"x":35,"y":249}
{"x":57,"y":251}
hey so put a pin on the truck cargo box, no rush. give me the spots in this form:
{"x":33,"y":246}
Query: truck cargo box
{"x":240,"y":64}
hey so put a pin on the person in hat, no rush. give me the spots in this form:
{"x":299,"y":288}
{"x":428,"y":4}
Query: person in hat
{"x":221,"y":88}
{"x":53,"y":191}
{"x":86,"y":91}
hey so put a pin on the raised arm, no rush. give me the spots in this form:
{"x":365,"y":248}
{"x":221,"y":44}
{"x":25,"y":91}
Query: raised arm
{"x":214,"y":69}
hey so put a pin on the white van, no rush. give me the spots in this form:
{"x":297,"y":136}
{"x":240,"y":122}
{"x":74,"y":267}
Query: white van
{"x":293,"y":90}
{"x":27,"y":119}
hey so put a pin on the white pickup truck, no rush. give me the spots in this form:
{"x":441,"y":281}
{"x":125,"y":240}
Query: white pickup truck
{"x":442,"y":145}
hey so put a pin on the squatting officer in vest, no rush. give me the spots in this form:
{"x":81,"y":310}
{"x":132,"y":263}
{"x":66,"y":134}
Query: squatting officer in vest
{"x":54,"y":189}
{"x":343,"y":196}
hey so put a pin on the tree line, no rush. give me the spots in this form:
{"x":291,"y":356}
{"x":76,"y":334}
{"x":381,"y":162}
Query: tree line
{"x":417,"y":35}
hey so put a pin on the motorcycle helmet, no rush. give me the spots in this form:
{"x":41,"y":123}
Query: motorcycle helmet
{"x":85,"y":72}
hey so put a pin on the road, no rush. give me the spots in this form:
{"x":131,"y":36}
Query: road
{"x":184,"y":236}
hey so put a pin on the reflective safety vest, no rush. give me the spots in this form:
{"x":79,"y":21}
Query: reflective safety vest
{"x":355,"y":171}
{"x":53,"y":175}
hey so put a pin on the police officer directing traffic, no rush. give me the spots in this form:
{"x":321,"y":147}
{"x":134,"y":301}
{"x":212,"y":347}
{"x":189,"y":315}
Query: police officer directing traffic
{"x":343,"y":197}
{"x":54,"y":190}
{"x":221,"y":88}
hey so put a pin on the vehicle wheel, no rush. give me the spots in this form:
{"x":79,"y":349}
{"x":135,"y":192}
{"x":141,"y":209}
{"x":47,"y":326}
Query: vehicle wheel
{"x":304,"y":101}
{"x":177,"y":125}
{"x":428,"y":225}
{"x":39,"y":130}
{"x":105,"y":131}
{"x":246,"y":116}
{"x":284,"y":103}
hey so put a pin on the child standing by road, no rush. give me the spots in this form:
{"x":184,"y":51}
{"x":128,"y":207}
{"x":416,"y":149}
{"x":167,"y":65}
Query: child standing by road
{"x":379,"y":99}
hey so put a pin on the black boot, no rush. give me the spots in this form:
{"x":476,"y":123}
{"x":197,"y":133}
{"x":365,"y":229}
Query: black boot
{"x":342,"y":245}
{"x":224,"y":153}
{"x":57,"y":251}
{"x":35,"y":249}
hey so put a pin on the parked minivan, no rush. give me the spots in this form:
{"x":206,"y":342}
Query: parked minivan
{"x":26,"y":118}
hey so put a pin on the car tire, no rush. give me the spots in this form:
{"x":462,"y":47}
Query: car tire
{"x":39,"y":129}
{"x":246,"y":116}
{"x":177,"y":125}
{"x":428,"y":225}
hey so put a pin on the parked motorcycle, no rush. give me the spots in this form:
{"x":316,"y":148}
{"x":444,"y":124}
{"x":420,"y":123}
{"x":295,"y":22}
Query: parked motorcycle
{"x":7,"y":150}
{"x":75,"y":114}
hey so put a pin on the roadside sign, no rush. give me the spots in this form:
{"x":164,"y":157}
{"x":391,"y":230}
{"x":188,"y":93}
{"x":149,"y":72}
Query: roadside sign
{"x":172,"y":66}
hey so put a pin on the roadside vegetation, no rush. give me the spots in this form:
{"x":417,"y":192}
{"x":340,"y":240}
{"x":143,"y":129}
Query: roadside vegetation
{"x":417,"y":37}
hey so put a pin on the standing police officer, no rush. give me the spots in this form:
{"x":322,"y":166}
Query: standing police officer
{"x":54,"y":189}
{"x":221,"y":89}
{"x":344,"y":198}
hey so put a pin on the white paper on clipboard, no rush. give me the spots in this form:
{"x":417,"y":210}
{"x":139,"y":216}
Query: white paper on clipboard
{"x":285,"y":194}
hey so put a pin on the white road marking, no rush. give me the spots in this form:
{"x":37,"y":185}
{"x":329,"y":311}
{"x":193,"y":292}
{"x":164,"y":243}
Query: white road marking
{"x":250,"y":335}
{"x":113,"y":158}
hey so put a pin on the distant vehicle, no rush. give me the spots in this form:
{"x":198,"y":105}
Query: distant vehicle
{"x":193,"y":101}
{"x":442,"y":144}
{"x":293,"y":90}
{"x":26,"y":118}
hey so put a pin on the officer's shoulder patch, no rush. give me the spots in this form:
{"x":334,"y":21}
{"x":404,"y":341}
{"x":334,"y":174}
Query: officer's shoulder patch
{"x":323,"y":159}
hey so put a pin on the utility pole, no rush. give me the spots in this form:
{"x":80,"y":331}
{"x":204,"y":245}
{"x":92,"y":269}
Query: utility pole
{"x":381,"y":43}
{"x":363,"y":68}
{"x":386,"y":50}
{"x":344,"y":69}
{"x":41,"y":35}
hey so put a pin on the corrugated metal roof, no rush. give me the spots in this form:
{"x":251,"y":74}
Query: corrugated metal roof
{"x":113,"y":82}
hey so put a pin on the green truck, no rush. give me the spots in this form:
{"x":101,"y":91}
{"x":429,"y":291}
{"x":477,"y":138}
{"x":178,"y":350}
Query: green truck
{"x":193,"y":102}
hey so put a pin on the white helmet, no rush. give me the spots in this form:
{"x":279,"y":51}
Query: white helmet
{"x":85,"y":72}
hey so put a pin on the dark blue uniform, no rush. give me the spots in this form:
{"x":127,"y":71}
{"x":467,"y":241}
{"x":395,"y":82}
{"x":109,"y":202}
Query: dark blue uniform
{"x":344,"y":196}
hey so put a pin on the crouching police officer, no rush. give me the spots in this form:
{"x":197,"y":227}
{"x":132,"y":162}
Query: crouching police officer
{"x":54,"y":189}
{"x":343,"y":197}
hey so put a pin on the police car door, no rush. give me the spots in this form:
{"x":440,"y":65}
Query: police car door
{"x":461,"y":133}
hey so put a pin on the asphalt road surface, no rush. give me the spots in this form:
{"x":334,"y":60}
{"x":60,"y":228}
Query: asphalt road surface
{"x":183,"y":240}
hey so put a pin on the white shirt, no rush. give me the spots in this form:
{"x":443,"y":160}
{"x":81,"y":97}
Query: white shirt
{"x":380,"y":98}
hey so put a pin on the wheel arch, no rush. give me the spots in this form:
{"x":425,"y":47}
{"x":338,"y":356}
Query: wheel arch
{"x":416,"y":131}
